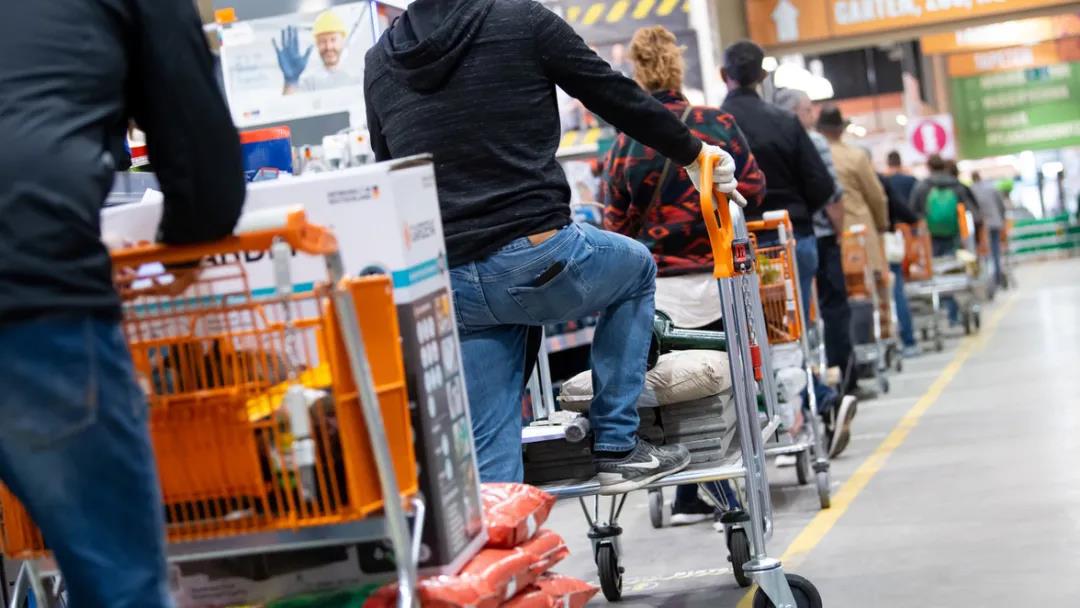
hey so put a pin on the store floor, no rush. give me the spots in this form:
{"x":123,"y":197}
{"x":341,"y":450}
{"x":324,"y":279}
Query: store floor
{"x":960,"y":488}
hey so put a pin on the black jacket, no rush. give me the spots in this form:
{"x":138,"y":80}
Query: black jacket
{"x":798,"y":179}
{"x":72,"y":72}
{"x":473,"y":83}
{"x":899,"y":211}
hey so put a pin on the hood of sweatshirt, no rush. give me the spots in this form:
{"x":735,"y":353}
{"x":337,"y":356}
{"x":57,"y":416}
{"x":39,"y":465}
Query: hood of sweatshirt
{"x":425,"y":45}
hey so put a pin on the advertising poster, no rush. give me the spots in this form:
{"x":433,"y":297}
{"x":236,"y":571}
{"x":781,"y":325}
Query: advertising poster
{"x":297,"y":65}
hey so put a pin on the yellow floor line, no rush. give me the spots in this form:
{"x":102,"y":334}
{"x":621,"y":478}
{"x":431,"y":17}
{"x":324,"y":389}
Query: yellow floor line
{"x":824,"y":521}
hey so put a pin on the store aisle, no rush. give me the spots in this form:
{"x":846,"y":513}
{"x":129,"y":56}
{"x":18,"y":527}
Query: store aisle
{"x":960,"y":487}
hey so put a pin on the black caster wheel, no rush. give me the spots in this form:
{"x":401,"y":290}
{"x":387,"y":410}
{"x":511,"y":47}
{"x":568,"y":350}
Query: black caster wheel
{"x":802,"y":467}
{"x":739,"y":554}
{"x":883,"y":385}
{"x":607,"y":565}
{"x":939,"y":344}
{"x":925,"y":335}
{"x":824,"y":489}
{"x":806,"y":594}
{"x":976,"y":318}
{"x":656,"y":508}
{"x":969,"y":324}
{"x":899,"y":364}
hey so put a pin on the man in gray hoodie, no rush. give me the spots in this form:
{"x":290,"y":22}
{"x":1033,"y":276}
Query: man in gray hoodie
{"x":473,"y":83}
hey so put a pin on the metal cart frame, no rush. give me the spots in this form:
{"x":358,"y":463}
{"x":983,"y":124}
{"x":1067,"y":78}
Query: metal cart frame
{"x":740,"y":304}
{"x":878,"y":355}
{"x":292,"y":233}
{"x":812,"y":453}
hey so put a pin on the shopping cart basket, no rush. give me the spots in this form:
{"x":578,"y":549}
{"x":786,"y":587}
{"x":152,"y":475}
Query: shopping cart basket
{"x":279,"y":420}
{"x":747,"y":530}
{"x":781,"y":302}
{"x":874,"y":355}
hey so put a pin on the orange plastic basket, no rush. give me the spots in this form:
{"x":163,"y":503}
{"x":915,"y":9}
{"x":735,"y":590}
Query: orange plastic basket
{"x":778,"y":277}
{"x":918,"y":252}
{"x":855,"y":260}
{"x":254,"y":415}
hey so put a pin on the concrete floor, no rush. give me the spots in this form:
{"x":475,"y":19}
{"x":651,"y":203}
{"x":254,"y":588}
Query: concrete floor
{"x":974,"y":500}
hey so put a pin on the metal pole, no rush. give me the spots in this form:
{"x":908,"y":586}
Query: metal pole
{"x":397,"y":526}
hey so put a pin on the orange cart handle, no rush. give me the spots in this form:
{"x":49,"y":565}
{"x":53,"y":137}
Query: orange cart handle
{"x":714,"y":206}
{"x":772,"y":220}
{"x":293,"y":228}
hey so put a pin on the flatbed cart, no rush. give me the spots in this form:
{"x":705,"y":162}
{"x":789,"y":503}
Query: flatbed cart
{"x":276,"y":426}
{"x":872,"y":359}
{"x":739,"y":296}
{"x":782,"y":298}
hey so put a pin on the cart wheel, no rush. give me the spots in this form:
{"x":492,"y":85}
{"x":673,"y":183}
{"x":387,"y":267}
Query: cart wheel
{"x":899,"y":364}
{"x":806,"y":594}
{"x":656,"y":508}
{"x":607,"y":564}
{"x":802,"y":467}
{"x":977,"y":318}
{"x":925,"y":334}
{"x":824,"y":489}
{"x":968,"y":324}
{"x":939,"y":344}
{"x":883,"y":384}
{"x":739,"y":554}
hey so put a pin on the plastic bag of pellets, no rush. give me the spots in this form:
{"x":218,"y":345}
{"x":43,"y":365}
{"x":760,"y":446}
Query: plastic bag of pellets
{"x":791,"y":382}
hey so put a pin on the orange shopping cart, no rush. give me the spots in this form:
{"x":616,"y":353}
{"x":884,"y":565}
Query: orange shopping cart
{"x":786,"y":329}
{"x":279,"y":421}
{"x":873,"y":342}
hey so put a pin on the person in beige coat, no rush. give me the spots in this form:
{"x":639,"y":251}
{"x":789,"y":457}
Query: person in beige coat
{"x":865,"y":201}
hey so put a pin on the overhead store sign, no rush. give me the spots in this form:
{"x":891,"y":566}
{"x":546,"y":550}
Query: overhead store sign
{"x":1004,"y":34}
{"x":788,"y":22}
{"x":1015,"y":57}
{"x":1026,"y":109}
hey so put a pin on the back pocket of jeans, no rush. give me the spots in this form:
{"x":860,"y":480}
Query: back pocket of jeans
{"x":559,"y":298}
{"x":51,"y":394}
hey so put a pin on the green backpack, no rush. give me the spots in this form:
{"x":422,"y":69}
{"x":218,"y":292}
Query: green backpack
{"x":941,"y":212}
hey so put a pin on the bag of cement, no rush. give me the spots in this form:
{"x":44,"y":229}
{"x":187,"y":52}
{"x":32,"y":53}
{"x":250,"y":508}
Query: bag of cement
{"x":789,"y":354}
{"x":678,"y":377}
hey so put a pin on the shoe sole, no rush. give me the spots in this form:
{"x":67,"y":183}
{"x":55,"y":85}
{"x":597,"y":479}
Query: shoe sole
{"x":623,"y":486}
{"x":686,"y":519}
{"x":842,"y":435}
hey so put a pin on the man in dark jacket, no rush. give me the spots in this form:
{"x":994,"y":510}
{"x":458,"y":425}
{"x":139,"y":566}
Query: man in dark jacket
{"x":799,"y":182}
{"x":74,"y":442}
{"x":473,"y":82}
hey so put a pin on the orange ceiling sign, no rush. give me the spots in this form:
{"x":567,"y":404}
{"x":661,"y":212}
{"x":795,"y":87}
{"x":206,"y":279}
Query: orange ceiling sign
{"x":1015,"y":58}
{"x":1004,"y":34}
{"x":788,"y":22}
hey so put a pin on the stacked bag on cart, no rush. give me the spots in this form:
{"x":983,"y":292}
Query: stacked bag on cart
{"x":514,"y":567}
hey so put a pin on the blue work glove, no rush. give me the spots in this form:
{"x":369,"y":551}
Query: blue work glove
{"x":289,"y":59}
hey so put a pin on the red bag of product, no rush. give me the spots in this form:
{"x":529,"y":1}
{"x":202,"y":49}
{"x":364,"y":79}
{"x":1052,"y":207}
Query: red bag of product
{"x":566,"y":591}
{"x":547,"y":548}
{"x":441,"y":592}
{"x":503,"y":571}
{"x":513,"y":512}
{"x":531,"y":597}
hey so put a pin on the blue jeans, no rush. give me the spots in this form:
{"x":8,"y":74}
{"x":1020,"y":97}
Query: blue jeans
{"x":995,"y":255}
{"x":577,"y":272}
{"x":806,"y":255}
{"x":75,"y":449}
{"x":903,"y":312}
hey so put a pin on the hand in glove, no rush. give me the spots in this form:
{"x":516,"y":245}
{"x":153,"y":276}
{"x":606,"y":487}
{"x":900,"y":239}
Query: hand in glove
{"x":723,"y":174}
{"x":289,"y":59}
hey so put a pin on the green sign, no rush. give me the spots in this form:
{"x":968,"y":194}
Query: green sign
{"x":1009,"y":112}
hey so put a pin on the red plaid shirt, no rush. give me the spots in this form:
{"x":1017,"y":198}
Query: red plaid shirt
{"x":674,"y":229}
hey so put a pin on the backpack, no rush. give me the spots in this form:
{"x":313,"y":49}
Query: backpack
{"x":941,"y":212}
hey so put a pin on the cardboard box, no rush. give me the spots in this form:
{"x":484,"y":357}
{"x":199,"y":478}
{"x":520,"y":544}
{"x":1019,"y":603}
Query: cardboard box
{"x":386,"y":218}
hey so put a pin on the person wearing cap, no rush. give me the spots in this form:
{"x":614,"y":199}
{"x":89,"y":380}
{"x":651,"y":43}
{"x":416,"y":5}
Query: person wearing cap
{"x":331,"y":36}
{"x":473,"y":83}
{"x":799,"y":181}
{"x":865,"y":202}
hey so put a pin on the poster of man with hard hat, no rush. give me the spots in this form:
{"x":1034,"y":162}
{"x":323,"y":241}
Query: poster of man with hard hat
{"x":297,"y":65}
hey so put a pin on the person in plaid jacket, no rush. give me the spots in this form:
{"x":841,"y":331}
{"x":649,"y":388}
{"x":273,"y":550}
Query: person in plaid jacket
{"x":654,"y":201}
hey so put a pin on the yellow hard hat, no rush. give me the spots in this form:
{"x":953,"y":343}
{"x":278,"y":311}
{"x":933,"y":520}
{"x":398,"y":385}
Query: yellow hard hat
{"x":328,"y":23}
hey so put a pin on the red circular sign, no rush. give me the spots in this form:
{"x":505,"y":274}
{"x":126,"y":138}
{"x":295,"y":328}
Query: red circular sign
{"x":929,"y":137}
